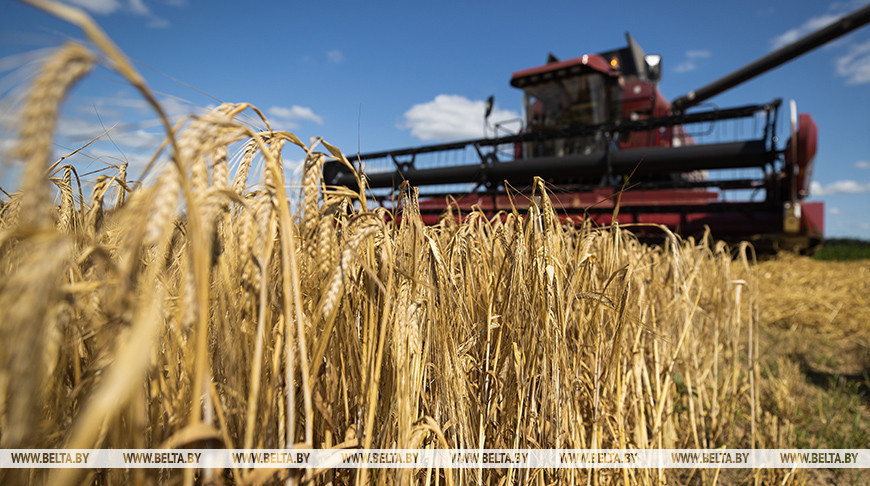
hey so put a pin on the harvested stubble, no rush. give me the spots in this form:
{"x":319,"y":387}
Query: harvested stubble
{"x":200,"y":312}
{"x":816,"y":342}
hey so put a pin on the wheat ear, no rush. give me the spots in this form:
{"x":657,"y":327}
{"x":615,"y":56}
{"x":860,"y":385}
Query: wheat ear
{"x":38,"y":119}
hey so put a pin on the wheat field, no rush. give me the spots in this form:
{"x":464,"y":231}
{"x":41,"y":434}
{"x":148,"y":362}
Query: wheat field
{"x":195,"y":308}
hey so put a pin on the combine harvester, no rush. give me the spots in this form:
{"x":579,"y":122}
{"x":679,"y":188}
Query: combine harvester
{"x":600,"y":133}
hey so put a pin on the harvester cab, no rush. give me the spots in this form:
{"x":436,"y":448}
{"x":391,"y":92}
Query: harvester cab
{"x":593,"y":89}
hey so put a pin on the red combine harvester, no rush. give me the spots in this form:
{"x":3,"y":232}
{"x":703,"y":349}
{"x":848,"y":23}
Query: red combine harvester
{"x":598,"y":130}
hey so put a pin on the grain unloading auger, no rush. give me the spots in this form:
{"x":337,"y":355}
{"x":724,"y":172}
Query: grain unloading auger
{"x":598,"y":124}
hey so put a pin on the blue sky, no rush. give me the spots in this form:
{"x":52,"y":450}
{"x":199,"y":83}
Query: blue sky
{"x":376,"y":75}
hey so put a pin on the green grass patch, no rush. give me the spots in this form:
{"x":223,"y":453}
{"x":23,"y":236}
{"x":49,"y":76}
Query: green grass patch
{"x":843,"y":249}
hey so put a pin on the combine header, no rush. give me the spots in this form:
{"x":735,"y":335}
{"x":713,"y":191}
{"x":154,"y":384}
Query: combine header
{"x":598,"y":130}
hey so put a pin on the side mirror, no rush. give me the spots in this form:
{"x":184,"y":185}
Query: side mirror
{"x":653,"y":66}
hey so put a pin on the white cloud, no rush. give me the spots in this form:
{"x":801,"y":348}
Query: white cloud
{"x":131,"y":110}
{"x":78,"y":130}
{"x":7,"y":144}
{"x":450,"y":117}
{"x":839,"y":187}
{"x":810,"y":25}
{"x":137,"y":138}
{"x":158,"y":23}
{"x":132,"y":124}
{"x":136,"y":7}
{"x":685,"y":67}
{"x":834,"y":211}
{"x":335,"y":56}
{"x":175,"y":108}
{"x":139,"y":7}
{"x":855,"y":65}
{"x":863,"y":164}
{"x":8,"y":118}
{"x":136,"y":160}
{"x":289,"y":116}
{"x":99,"y":7}
{"x":689,"y":63}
